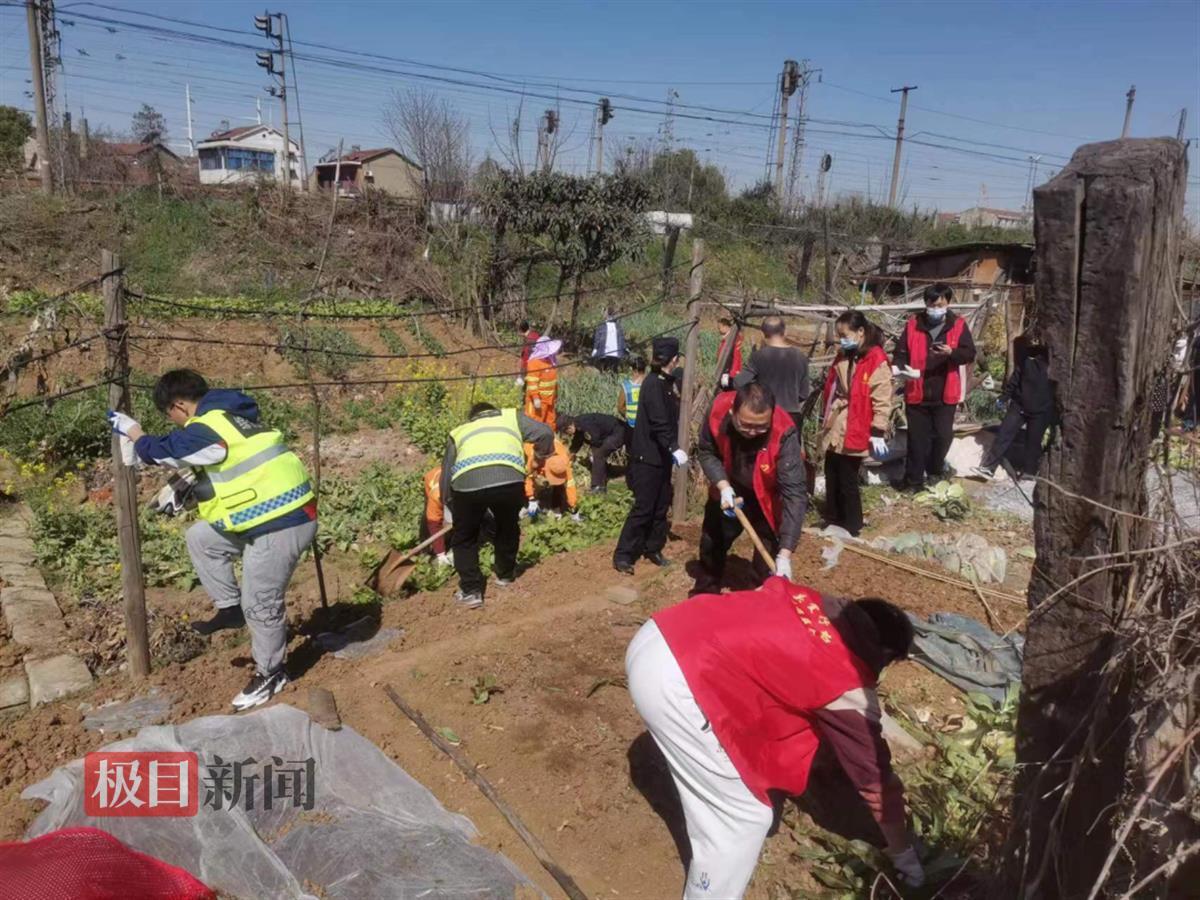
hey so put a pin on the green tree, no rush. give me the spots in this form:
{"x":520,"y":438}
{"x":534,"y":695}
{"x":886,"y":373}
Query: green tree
{"x":682,"y":183}
{"x":580,"y":224}
{"x":148,"y":125}
{"x":15,"y":129}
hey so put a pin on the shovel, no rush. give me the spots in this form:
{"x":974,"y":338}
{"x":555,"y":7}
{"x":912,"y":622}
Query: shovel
{"x":389,"y":576}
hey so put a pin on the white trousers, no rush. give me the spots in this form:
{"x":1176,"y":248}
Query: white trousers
{"x":726,"y":824}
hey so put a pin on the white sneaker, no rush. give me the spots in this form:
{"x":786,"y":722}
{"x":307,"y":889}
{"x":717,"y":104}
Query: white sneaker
{"x":468,"y":601}
{"x":983,"y":472}
{"x":260,"y":689}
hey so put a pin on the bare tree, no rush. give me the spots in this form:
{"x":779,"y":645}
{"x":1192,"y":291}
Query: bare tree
{"x":432,"y":133}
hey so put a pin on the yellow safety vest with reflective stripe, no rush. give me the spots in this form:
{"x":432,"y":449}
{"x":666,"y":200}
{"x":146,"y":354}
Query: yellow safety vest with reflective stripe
{"x":259,"y":480}
{"x":632,"y":392}
{"x":490,"y":440}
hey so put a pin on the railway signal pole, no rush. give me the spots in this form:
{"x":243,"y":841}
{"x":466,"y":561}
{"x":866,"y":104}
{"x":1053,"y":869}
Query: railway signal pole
{"x":604,"y":114}
{"x":38,"y":76}
{"x":271,"y":24}
{"x":789,"y":80}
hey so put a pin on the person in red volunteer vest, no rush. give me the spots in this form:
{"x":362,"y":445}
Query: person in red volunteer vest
{"x":738,"y":690}
{"x":857,"y":411}
{"x":934,"y":353}
{"x":749,"y":451}
{"x":733,"y":365}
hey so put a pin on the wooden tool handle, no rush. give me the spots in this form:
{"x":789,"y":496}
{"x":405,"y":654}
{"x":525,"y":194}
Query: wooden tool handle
{"x":758,"y":544}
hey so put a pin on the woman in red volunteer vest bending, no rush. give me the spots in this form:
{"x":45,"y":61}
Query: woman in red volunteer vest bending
{"x":934,"y":354}
{"x":749,"y":451}
{"x":738,"y":690}
{"x":858,"y":408}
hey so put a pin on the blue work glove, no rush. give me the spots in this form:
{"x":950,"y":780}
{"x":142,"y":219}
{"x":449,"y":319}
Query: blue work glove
{"x":121,"y":424}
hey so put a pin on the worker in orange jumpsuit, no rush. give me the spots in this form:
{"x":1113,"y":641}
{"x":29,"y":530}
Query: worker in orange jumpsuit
{"x":557,"y":472}
{"x":541,"y":381}
{"x":437,"y":515}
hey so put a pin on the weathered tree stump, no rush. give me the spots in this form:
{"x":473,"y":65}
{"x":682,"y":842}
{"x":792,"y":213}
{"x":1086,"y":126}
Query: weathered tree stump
{"x":1107,"y":229}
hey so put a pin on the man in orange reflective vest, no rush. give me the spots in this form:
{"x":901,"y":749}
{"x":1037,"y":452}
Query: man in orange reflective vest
{"x":541,"y":381}
{"x":750,"y":452}
{"x":437,"y":515}
{"x":934,"y":353}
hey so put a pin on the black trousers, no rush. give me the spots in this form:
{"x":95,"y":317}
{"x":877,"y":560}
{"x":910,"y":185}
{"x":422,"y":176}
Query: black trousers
{"x":843,"y":501}
{"x":504,"y":502}
{"x":930,"y":431}
{"x":1035,"y":425}
{"x":717,"y":535}
{"x":607,"y":363}
{"x":600,"y":454}
{"x":646,"y":526}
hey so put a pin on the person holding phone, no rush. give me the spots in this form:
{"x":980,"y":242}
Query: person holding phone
{"x":933,"y":354}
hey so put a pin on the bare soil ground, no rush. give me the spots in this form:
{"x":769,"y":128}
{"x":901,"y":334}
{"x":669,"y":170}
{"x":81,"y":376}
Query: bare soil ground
{"x":562,"y":744}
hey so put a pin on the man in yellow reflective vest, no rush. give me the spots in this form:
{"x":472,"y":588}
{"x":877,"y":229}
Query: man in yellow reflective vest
{"x":483,"y":471}
{"x":255,"y":502}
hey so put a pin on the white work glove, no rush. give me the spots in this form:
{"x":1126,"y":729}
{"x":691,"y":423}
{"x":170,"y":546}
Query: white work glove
{"x":680,"y":457}
{"x":725,"y":380}
{"x":729,"y":500}
{"x":447,"y":516}
{"x":537,"y":403}
{"x":783,"y":566}
{"x":906,"y":372}
{"x":445,"y":559}
{"x":576,"y":516}
{"x":879,"y":448}
{"x":520,"y":382}
{"x":122,"y":424}
{"x":908,"y":867}
{"x":532,"y":509}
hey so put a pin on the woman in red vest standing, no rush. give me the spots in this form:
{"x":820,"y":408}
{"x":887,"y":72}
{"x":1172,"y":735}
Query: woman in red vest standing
{"x":858,"y":409}
{"x":738,"y":691}
{"x":934,"y":353}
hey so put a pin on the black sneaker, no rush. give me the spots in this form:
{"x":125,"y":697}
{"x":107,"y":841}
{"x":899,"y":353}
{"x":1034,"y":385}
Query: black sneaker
{"x":658,"y":559}
{"x":226,"y":617}
{"x":260,"y":689}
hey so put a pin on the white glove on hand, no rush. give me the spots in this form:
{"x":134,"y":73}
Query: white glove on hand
{"x":121,"y":423}
{"x":681,"y":458}
{"x":725,"y":380}
{"x":728,"y":498}
{"x":532,"y":509}
{"x":576,"y":517}
{"x":520,"y":382}
{"x":908,"y":867}
{"x":879,"y":448}
{"x":783,"y":566}
{"x":537,"y":403}
{"x":445,"y":559}
{"x":447,"y":516}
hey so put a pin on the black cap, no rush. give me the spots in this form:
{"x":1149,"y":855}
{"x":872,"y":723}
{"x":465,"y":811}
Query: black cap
{"x":665,"y":348}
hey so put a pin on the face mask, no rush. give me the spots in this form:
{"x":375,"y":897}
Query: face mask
{"x":935,"y":313}
{"x":849,"y":344}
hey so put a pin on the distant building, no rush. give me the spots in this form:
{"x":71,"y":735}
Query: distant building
{"x":382,"y":169}
{"x":246,"y":154}
{"x":980,"y":263}
{"x":987,"y":217}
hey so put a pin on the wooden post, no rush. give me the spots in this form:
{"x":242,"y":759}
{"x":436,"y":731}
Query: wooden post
{"x":805,"y":262}
{"x":1108,"y":231}
{"x":691,"y":372}
{"x":668,"y":275}
{"x":133,"y":588}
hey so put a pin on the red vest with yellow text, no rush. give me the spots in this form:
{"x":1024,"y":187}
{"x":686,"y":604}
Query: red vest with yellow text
{"x":918,"y":352}
{"x":758,"y":664}
{"x":765,"y":474}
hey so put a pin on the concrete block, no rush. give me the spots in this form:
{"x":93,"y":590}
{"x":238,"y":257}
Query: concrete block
{"x":13,"y":527}
{"x":21,"y":575}
{"x":14,"y":692}
{"x":58,"y":676}
{"x":622,"y":595}
{"x":16,"y":549}
{"x":33,"y":617}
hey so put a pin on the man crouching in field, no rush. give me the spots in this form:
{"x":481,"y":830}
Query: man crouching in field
{"x":738,"y":690}
{"x":256,"y":503}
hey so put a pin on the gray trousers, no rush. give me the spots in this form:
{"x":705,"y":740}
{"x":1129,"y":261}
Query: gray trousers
{"x":268,"y":561}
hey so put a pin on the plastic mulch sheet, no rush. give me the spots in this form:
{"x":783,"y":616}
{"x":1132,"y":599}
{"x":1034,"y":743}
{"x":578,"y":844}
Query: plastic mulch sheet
{"x":349,"y":824}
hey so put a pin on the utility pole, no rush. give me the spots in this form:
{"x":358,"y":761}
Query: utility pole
{"x":37,"y":70}
{"x":271,"y":25}
{"x":547,"y":125}
{"x":1128,"y":110}
{"x":903,"y":91}
{"x":187,"y":93}
{"x":789,"y":80}
{"x":604,"y":114}
{"x":796,"y":165}
{"x":826,"y":165}
{"x":1182,"y":124}
{"x":287,"y":30}
{"x":1033,"y":167}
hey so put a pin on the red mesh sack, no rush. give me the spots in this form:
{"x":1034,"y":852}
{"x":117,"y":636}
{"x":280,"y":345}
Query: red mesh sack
{"x":90,"y":864}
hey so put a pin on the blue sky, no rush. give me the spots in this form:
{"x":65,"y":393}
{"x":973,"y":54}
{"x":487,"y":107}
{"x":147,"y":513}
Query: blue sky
{"x":997,"y":82}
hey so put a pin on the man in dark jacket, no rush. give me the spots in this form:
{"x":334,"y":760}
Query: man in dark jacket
{"x":1030,"y":396}
{"x":781,"y":367}
{"x":603,"y":433}
{"x":653,"y":449}
{"x":934,"y":353}
{"x":749,"y":451}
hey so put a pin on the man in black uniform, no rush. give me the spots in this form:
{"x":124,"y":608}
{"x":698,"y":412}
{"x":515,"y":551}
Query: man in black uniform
{"x":653,"y":450}
{"x":605,"y":434}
